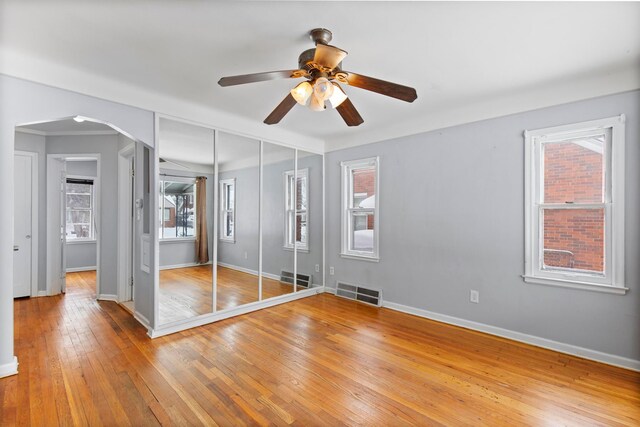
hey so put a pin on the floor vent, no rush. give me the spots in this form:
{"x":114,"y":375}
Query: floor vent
{"x":304,"y":280}
{"x":359,"y":293}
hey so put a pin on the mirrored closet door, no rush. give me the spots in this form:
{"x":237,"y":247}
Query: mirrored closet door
{"x":185,"y":220}
{"x":309,"y":220}
{"x":238,"y":243}
{"x":277,"y":214}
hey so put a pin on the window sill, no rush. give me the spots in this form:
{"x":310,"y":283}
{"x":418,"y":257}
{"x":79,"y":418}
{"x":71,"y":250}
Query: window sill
{"x":80,"y":242}
{"x":360,"y":257}
{"x":619,"y":290}
{"x":304,"y":250}
{"x":178,"y":240}
{"x":227,"y":241}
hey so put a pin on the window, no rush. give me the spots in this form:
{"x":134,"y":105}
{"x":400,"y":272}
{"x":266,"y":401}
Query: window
{"x":228,"y":210}
{"x":178,"y":207}
{"x":297,"y":209}
{"x":80,"y":221}
{"x":575,"y":205}
{"x":360,"y":201}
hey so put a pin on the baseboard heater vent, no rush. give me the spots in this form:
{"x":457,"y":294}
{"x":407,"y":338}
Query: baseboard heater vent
{"x":304,"y":280}
{"x":359,"y":293}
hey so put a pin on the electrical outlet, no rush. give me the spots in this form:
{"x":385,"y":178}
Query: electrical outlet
{"x":331,"y":271}
{"x":245,"y":255}
{"x":474,"y":296}
{"x":317,"y":268}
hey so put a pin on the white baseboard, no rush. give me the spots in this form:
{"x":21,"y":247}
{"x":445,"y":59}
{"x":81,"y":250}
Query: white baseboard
{"x":10,"y":368}
{"x":42,"y":294}
{"x":142,"y":319}
{"x":598,"y":356}
{"x":189,"y":264}
{"x":78,"y":269}
{"x":573,"y":350}
{"x":249,"y":271}
{"x":205,"y":319}
{"x":108,"y":297}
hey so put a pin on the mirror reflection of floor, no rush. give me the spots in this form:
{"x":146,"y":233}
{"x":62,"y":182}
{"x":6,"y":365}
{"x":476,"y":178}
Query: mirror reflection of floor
{"x":188,"y":292}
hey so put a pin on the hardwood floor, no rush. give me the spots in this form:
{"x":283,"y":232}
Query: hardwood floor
{"x":317,"y":361}
{"x":187,"y":292}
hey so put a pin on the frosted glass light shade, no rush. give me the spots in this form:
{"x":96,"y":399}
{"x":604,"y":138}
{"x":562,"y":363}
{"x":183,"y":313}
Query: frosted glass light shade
{"x":323,"y":89}
{"x":337,"y":97}
{"x":302,"y":92}
{"x":316,"y":104}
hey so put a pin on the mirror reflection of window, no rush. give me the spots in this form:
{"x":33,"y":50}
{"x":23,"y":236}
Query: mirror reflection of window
{"x":178,"y":206}
{"x":297,"y":218}
{"x":228,"y":209}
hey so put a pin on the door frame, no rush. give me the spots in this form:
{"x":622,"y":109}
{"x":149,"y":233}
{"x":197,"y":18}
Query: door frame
{"x":35,"y":188}
{"x":125,"y":222}
{"x":97,"y":207}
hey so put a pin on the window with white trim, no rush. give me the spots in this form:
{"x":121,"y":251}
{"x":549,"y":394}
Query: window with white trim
{"x":574,"y":199}
{"x":360,"y":202}
{"x":80,"y":205}
{"x":228,"y":210}
{"x":178,"y":206}
{"x":296,"y":209}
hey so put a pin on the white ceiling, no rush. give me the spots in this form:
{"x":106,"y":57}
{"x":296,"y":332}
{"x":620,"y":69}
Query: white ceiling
{"x":468,"y":61}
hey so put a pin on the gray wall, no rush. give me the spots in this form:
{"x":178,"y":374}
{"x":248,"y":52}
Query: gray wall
{"x":452,"y":219}
{"x":175,"y":253}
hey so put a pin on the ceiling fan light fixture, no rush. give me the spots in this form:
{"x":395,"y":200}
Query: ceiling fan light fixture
{"x":337,"y":97}
{"x":302,"y":93}
{"x":323,"y":89}
{"x":316,"y":104}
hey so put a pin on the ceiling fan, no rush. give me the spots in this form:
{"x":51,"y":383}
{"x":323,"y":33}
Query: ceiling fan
{"x":322,"y":69}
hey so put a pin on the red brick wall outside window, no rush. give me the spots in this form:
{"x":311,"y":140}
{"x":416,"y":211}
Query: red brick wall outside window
{"x":573,"y":238}
{"x":364,"y":181}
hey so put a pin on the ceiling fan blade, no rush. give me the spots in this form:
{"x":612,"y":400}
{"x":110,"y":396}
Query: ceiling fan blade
{"x":260,"y":77}
{"x":394,"y":90}
{"x":349,"y":113}
{"x":328,"y":56}
{"x":281,"y":110}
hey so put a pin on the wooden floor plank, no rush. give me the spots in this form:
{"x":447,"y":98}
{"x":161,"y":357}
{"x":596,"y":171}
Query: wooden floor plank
{"x":316,"y":361}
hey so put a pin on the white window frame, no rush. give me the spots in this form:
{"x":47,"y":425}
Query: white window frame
{"x":186,"y":180}
{"x":92,"y":210}
{"x":290,"y":183}
{"x":612,"y":280}
{"x":230,"y":182}
{"x":347,"y":210}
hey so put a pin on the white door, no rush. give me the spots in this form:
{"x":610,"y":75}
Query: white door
{"x":56,"y":215}
{"x":22,"y":211}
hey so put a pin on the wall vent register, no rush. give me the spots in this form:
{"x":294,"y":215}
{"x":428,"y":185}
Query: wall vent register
{"x":359,"y":293}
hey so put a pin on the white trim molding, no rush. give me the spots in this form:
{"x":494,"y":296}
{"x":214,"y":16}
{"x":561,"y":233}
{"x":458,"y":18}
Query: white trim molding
{"x":249,"y":271}
{"x":205,"y":319}
{"x":574,"y":350}
{"x":107,"y":297}
{"x":10,"y":368}
{"x":612,"y":132}
{"x":78,"y":269}
{"x":185,"y":265}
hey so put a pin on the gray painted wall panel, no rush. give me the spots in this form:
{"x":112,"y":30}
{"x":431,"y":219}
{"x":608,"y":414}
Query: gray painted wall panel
{"x":452,"y":219}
